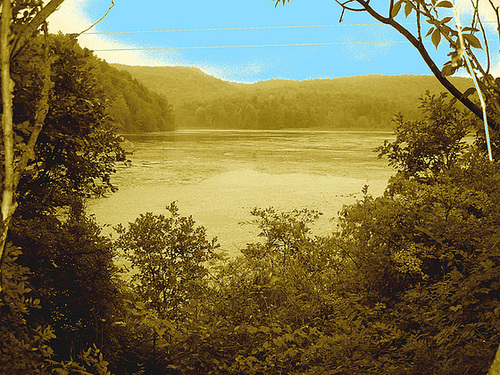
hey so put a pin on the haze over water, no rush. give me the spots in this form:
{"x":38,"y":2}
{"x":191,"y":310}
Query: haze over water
{"x":219,"y":176}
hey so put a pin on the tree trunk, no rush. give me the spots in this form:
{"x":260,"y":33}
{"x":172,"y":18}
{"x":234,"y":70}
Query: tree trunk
{"x":9,"y":46}
{"x":8,"y":199}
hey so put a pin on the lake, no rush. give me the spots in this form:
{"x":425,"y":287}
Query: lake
{"x":219,"y":176}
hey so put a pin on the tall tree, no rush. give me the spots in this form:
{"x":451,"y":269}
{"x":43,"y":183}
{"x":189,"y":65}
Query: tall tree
{"x":19,"y":21}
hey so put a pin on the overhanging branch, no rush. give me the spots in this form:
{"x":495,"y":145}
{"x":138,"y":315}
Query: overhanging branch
{"x":418,"y":44}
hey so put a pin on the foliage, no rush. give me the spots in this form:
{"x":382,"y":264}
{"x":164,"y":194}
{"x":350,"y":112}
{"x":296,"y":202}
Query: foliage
{"x":407,"y":285}
{"x":65,"y":259}
{"x":74,"y":277}
{"x":70,"y":264}
{"x":284,"y":232}
{"x":426,"y":148}
{"x":132,"y":107}
{"x":168,"y":256}
{"x":24,"y":346}
{"x":202,"y":101}
{"x":77,"y":148}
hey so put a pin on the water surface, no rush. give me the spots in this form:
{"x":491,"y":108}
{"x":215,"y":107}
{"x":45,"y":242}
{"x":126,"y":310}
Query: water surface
{"x":218,"y":176}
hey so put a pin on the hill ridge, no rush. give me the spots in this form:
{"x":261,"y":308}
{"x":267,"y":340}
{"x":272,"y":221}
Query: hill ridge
{"x":367,"y":101}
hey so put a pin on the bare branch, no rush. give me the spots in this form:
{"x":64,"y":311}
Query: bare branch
{"x":463,"y":51}
{"x":496,"y":9}
{"x":99,"y":20}
{"x":419,"y":25}
{"x":486,"y":46}
{"x":345,"y":7}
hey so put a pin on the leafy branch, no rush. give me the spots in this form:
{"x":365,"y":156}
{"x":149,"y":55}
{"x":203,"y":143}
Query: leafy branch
{"x":438,"y":16}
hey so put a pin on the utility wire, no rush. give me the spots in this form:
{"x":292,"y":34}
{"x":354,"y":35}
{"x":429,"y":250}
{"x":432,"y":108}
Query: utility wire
{"x":239,"y":28}
{"x":247,"y":46}
{"x":242,"y":28}
{"x":250,"y":46}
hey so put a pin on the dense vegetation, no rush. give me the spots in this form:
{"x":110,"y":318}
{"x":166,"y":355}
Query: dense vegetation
{"x":130,"y":106}
{"x":369,"y":102}
{"x":133,"y":107}
{"x":407,"y":284}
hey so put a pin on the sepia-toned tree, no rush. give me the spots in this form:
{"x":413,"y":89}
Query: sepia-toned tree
{"x":20,"y":20}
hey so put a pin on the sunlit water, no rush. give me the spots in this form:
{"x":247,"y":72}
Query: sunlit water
{"x":218,"y":177}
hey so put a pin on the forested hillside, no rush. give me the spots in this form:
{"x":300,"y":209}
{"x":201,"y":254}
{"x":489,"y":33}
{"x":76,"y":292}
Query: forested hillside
{"x":133,"y":107}
{"x":203,"y":101}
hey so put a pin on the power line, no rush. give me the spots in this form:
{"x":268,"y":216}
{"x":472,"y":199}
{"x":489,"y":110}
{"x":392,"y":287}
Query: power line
{"x":253,"y":46}
{"x":244,"y":28}
{"x":240,"y":28}
{"x":247,"y":46}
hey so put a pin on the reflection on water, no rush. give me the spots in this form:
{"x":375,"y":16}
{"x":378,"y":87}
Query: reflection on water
{"x":219,"y":176}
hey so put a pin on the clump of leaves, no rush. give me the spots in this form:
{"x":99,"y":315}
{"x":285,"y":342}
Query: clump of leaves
{"x":425,"y":148}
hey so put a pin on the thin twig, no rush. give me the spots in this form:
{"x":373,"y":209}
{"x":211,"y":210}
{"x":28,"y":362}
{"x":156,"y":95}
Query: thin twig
{"x":419,"y":25}
{"x":496,"y":9}
{"x":462,"y":52}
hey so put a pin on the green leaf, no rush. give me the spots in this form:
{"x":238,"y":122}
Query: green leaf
{"x":436,"y":38}
{"x":252,"y":330}
{"x":429,"y":32}
{"x":473,"y":40}
{"x":396,"y":8}
{"x":445,"y":20}
{"x":448,"y":70}
{"x":408,"y":8}
{"x":444,"y":4}
{"x":473,"y":29}
{"x":265,"y":329}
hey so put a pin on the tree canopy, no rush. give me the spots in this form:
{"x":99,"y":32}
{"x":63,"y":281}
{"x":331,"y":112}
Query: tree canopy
{"x":365,"y":102}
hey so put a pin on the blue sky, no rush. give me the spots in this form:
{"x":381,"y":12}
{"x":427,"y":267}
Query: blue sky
{"x":359,"y":48}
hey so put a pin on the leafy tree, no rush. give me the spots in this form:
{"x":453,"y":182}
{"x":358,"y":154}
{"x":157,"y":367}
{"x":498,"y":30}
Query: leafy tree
{"x":426,"y":148}
{"x":74,"y":276}
{"x":71,"y":264}
{"x":17,"y":25}
{"x":427,"y":252}
{"x":168,"y":256}
{"x":77,"y":148}
{"x":24,"y":346}
{"x":63,"y":151}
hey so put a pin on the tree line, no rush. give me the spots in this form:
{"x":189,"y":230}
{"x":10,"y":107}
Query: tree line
{"x":366,"y":102}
